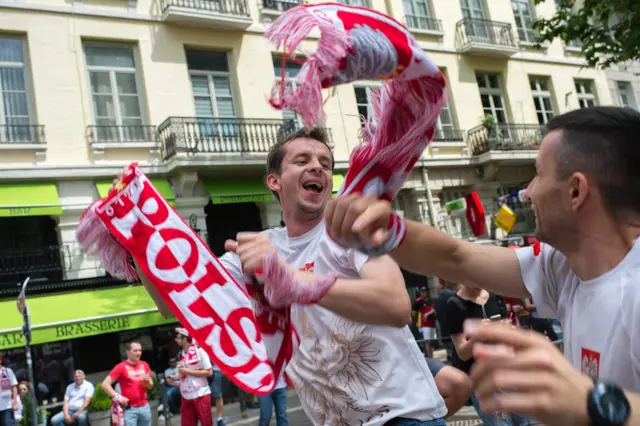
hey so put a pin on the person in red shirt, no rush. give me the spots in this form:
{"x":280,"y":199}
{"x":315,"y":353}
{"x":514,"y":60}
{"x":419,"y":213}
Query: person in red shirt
{"x":134,"y":377}
{"x":426,"y":320}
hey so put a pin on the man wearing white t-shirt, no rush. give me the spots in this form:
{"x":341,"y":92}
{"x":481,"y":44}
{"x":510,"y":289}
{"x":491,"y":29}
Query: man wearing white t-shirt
{"x":586,"y":197}
{"x":357,"y":362}
{"x":8,"y":395}
{"x":77,"y":398}
{"x":194,"y":367}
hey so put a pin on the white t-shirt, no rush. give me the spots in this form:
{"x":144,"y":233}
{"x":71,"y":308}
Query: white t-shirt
{"x":345,"y":372}
{"x":75,"y":395}
{"x":600,"y":317}
{"x":192,"y":387}
{"x":7,"y":382}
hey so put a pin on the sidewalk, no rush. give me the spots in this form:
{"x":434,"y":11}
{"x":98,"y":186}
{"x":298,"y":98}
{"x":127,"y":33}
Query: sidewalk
{"x":465,"y":417}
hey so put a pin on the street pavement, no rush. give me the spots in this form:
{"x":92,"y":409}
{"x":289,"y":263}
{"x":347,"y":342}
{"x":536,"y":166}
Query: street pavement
{"x":465,"y":417}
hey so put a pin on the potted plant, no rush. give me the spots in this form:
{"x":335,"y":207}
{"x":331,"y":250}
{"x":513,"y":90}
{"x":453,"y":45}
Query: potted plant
{"x":100,"y":408}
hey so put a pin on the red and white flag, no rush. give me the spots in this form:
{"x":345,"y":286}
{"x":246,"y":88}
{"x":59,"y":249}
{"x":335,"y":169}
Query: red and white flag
{"x":207,"y":301}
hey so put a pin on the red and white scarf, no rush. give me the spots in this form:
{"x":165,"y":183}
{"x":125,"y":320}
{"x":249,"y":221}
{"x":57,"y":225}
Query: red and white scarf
{"x":206,"y":300}
{"x":357,"y":43}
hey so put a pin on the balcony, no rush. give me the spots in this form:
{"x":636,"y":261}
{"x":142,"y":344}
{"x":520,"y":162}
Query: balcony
{"x":114,"y":135}
{"x":448,"y":135}
{"x":505,"y":137}
{"x":486,"y":38}
{"x":222,"y":136}
{"x":23,"y":137}
{"x":278,"y":6}
{"x":51,"y":269}
{"x":223,"y":14}
{"x":423,"y":25}
{"x":18,"y":134}
{"x":361,"y":3}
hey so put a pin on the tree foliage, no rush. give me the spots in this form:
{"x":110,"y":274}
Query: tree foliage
{"x":608,"y":30}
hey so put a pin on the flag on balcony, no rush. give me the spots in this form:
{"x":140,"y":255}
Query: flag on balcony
{"x":357,"y":43}
{"x":136,"y":219}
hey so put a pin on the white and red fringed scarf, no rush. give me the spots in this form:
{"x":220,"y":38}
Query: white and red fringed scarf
{"x":357,"y":43}
{"x":206,"y":300}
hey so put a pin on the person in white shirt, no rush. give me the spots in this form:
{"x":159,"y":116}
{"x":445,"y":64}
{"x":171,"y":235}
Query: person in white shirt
{"x":77,"y":398}
{"x":357,"y":362}
{"x":194,"y":367}
{"x":586,"y":197}
{"x":8,"y":395}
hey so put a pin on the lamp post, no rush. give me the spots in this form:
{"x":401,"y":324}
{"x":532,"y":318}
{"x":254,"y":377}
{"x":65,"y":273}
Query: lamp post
{"x":23,"y":308}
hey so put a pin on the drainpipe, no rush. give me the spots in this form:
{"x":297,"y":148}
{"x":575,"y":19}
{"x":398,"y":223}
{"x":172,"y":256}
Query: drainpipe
{"x":425,"y":181}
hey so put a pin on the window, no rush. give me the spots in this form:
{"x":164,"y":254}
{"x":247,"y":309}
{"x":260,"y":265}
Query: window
{"x":114,"y":92}
{"x":418,"y":15}
{"x":625,"y":95}
{"x":363,"y":94}
{"x":476,"y":26}
{"x":444,"y":127}
{"x":212,"y":94}
{"x":291,"y":70}
{"x":586,"y":95}
{"x":491,"y":96}
{"x":14,"y":105}
{"x":473,"y":9}
{"x":524,"y":20}
{"x":542,"y":98}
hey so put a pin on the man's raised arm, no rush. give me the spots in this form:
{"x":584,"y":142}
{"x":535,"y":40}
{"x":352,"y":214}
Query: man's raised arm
{"x":426,"y":250}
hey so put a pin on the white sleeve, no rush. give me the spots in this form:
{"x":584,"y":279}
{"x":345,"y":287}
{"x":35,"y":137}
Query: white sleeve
{"x":543,"y":270}
{"x":231,"y":263}
{"x":357,"y":259}
{"x":67,"y":393}
{"x":204,"y":359}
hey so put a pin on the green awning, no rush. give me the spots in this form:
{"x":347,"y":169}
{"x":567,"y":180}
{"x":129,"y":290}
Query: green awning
{"x":162,"y":185}
{"x":246,"y":190}
{"x":80,"y":314}
{"x":238,"y":190}
{"x":29,"y":199}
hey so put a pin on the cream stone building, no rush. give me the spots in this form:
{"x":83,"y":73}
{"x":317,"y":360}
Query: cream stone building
{"x":180,"y":86}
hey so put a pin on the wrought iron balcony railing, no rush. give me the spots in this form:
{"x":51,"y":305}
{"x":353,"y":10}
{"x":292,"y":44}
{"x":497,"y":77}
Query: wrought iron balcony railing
{"x":225,"y":7}
{"x":193,"y":135}
{"x":117,"y":134}
{"x":423,"y":23}
{"x":361,"y":3}
{"x":449,"y":135}
{"x":51,"y":269}
{"x":281,"y":5}
{"x":21,"y":133}
{"x":483,"y":31}
{"x":505,"y":137}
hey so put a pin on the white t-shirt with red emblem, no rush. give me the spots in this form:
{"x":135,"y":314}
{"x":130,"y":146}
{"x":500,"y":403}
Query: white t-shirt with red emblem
{"x":7,"y":382}
{"x":600,"y":317}
{"x":345,"y":372}
{"x":192,"y":387}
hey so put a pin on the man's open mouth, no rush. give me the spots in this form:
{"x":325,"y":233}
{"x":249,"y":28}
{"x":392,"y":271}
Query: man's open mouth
{"x":313,"y":187}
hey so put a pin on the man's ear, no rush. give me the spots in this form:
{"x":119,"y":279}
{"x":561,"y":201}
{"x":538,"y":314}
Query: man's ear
{"x":273,"y":182}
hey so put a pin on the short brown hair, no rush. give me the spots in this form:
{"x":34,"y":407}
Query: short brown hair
{"x":602,"y":142}
{"x":277,"y":151}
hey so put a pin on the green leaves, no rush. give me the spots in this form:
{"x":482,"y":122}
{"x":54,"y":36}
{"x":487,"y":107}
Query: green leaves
{"x":608,"y":30}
